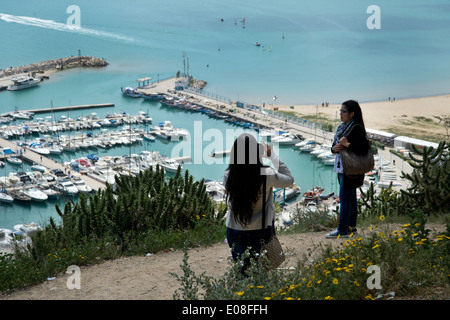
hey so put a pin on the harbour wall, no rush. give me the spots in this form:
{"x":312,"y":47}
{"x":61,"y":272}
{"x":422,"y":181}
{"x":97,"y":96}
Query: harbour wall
{"x":56,"y":64}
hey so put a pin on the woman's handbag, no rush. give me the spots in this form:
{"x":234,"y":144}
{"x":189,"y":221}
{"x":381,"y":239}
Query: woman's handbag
{"x":272,"y":249}
{"x":354,"y":163}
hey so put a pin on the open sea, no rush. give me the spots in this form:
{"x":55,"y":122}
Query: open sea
{"x":311,"y":52}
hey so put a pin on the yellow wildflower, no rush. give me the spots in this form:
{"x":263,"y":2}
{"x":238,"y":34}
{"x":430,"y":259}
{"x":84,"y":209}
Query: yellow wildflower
{"x":400,"y":239}
{"x":239,"y":293}
{"x":369,"y":297}
{"x":329,"y":298}
{"x":381,"y":217}
{"x":356,"y":283}
{"x":267,"y":298}
{"x":335,"y":281}
{"x":309,"y":285}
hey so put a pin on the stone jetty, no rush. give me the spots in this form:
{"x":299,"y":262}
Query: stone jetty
{"x":55,"y":65}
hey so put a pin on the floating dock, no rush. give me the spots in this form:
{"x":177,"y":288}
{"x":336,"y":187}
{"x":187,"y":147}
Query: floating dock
{"x":70,"y":108}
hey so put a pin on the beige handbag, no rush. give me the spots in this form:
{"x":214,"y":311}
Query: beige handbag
{"x":354,"y":164}
{"x":272,"y":249}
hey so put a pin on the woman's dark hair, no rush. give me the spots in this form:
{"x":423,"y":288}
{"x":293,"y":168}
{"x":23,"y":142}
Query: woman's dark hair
{"x":353,"y":106}
{"x":244,"y":177}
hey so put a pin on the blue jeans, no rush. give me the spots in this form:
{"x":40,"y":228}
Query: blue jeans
{"x":239,"y":241}
{"x":348,"y":207}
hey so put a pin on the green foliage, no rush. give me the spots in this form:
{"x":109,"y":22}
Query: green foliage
{"x":387,"y":203}
{"x":430,"y":181}
{"x":407,"y":258}
{"x":142,"y":214}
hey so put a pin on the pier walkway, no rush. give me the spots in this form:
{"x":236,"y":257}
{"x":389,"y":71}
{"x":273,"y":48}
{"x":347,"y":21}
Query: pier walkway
{"x":34,"y":157}
{"x":255,"y":116}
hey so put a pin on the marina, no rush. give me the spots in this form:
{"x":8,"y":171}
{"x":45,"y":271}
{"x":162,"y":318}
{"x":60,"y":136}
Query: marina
{"x":43,"y":137}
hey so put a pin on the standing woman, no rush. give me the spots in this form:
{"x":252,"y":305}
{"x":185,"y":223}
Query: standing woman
{"x":350,"y":134}
{"x":243,"y":181}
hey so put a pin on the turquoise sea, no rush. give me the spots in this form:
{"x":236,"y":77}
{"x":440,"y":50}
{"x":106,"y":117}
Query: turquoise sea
{"x":328,"y":53}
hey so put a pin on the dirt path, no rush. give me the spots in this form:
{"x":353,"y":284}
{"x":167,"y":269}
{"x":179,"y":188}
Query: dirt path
{"x":148,"y":277}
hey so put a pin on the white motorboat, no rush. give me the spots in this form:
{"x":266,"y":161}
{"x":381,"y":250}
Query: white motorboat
{"x":66,"y":186}
{"x":167,"y":131}
{"x":287,"y":194}
{"x":286,"y":138}
{"x":169,"y":165}
{"x":216,"y":190}
{"x":305,"y":142}
{"x":329,"y":161}
{"x":35,"y":194}
{"x":2,"y":164}
{"x":69,"y":147}
{"x":81,"y":185}
{"x":38,"y":167}
{"x":6,"y":198}
{"x":307,"y":148}
{"x":51,"y":193}
{"x":24,"y":82}
{"x":14,"y":160}
{"x":130,"y":92}
{"x":319,"y":149}
{"x":149,"y":137}
{"x":28,"y":228}
{"x":55,"y":149}
{"x":270,"y":133}
{"x":38,"y":148}
{"x":102,"y":175}
{"x":10,"y":237}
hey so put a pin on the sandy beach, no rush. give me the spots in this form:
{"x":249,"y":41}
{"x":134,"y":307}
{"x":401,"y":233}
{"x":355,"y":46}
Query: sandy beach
{"x":410,"y":117}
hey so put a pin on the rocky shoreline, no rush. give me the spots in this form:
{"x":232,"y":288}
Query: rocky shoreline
{"x":55,"y":65}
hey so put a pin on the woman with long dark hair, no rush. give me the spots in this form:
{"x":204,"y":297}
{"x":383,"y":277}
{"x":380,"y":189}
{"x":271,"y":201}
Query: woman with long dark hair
{"x":243,"y":182}
{"x":350,"y":134}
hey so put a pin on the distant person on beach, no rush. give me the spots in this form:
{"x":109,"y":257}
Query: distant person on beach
{"x":352,"y":119}
{"x":243,"y":181}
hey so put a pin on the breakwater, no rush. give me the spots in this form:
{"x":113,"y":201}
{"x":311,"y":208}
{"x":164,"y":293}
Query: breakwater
{"x":55,"y":64}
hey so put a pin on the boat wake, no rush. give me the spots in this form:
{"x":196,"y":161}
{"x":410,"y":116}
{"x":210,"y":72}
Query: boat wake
{"x":50,"y":24}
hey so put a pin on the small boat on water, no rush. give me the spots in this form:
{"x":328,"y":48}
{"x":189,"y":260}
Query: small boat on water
{"x":38,"y":167}
{"x":130,"y":92}
{"x":38,"y":148}
{"x":14,"y":160}
{"x":216,"y":190}
{"x":35,"y":194}
{"x":149,"y":137}
{"x":9,"y":237}
{"x":51,"y":193}
{"x":153,"y":96}
{"x":28,"y":228}
{"x":24,"y":82}
{"x":287,"y":194}
{"x":81,"y":185}
{"x":169,"y":165}
{"x":286,"y":139}
{"x":313,"y":194}
{"x":18,"y":195}
{"x":6,"y":198}
{"x":66,"y":186}
{"x":55,"y":149}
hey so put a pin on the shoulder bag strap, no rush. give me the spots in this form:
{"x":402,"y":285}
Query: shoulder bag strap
{"x":264,"y":205}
